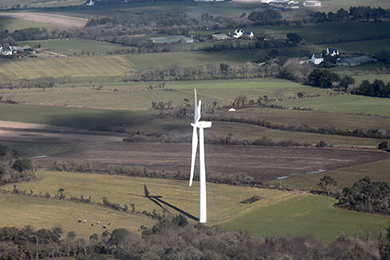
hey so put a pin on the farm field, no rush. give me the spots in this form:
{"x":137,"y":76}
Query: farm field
{"x":7,"y":4}
{"x":138,"y":96}
{"x":72,"y":67}
{"x":368,"y":47}
{"x":318,"y":33}
{"x":307,"y":215}
{"x":344,"y":104}
{"x":315,"y":119}
{"x":276,"y":212}
{"x":223,"y":200}
{"x":12,"y":24}
{"x":334,"y":5}
{"x":58,"y":21}
{"x":345,"y":176}
{"x":19,"y":211}
{"x":262,"y":163}
{"x":75,"y":46}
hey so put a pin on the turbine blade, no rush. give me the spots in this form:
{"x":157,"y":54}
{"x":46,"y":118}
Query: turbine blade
{"x":195,"y":106}
{"x":194,"y":148}
{"x":199,"y":109}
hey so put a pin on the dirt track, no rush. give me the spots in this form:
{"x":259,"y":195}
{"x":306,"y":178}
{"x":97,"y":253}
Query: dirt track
{"x":104,"y":149}
{"x":58,"y":20}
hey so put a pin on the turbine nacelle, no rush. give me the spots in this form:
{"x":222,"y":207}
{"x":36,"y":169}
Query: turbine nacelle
{"x":202,"y":124}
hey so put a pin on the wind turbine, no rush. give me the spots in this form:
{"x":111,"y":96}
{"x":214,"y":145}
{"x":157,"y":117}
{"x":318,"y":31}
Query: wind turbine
{"x":201,"y":125}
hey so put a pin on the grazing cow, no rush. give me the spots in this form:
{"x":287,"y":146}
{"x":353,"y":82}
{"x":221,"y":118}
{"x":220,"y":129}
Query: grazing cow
{"x":109,"y":223}
{"x":104,"y":227}
{"x":91,"y":225}
{"x":79,"y":221}
{"x":84,"y":221}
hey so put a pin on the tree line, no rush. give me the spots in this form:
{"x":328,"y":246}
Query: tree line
{"x":173,"y":237}
{"x":13,"y":167}
{"x":326,"y":79}
{"x":367,"y":196}
{"x":358,"y":13}
{"x":28,"y":83}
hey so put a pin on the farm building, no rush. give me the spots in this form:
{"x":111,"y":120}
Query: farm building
{"x":355,"y":60}
{"x":316,"y":59}
{"x":172,"y":39}
{"x":332,"y":52}
{"x":90,"y":3}
{"x":220,"y":36}
{"x":312,"y":3}
{"x":248,"y":35}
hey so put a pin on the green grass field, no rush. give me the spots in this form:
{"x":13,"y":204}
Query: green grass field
{"x":12,"y":24}
{"x":377,"y":171}
{"x":72,"y":67}
{"x":75,"y":46}
{"x":223,"y":200}
{"x":138,"y":96}
{"x":344,"y":104}
{"x":307,"y":215}
{"x":277,"y":212}
{"x":315,"y":119}
{"x":20,"y":211}
{"x":319,"y":33}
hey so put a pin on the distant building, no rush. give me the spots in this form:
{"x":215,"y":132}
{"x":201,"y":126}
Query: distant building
{"x":238,"y":34}
{"x":332,"y":52}
{"x":172,"y":39}
{"x":220,"y":36}
{"x":249,"y":35}
{"x":90,"y":3}
{"x":313,"y":3}
{"x":316,"y":59}
{"x":355,"y":60}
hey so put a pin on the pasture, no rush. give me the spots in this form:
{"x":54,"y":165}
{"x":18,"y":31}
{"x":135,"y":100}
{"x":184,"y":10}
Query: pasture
{"x":19,"y":211}
{"x":319,"y":33}
{"x":75,"y":47}
{"x":345,"y":176}
{"x":71,"y":67}
{"x":223,"y":200}
{"x":138,"y":96}
{"x":307,"y":215}
{"x":55,"y":20}
{"x":11,"y":24}
{"x":277,"y":212}
{"x":344,"y":104}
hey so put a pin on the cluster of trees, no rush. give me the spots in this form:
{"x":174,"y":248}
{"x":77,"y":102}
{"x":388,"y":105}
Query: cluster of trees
{"x":175,"y":238}
{"x":326,"y":79}
{"x":355,"y":13}
{"x":266,"y":17}
{"x":367,"y":196}
{"x":13,"y":167}
{"x":375,"y":89}
{"x":28,"y":83}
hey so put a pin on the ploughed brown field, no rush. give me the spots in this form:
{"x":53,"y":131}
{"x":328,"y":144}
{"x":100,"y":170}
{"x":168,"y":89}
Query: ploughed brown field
{"x":103,"y":150}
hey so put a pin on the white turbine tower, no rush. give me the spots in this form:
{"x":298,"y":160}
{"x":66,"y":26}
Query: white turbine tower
{"x":201,"y":125}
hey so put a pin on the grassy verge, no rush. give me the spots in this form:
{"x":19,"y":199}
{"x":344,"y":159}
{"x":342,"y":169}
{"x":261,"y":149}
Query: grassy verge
{"x":307,"y":215}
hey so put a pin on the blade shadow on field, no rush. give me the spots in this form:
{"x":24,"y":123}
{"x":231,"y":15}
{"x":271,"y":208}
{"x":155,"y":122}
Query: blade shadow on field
{"x":158,"y":201}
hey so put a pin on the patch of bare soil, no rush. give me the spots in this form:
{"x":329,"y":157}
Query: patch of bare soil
{"x":107,"y":149}
{"x":54,"y":19}
{"x":263,"y":163}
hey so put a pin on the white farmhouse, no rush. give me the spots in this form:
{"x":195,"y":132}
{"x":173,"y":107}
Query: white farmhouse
{"x":316,"y":59}
{"x":90,"y":3}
